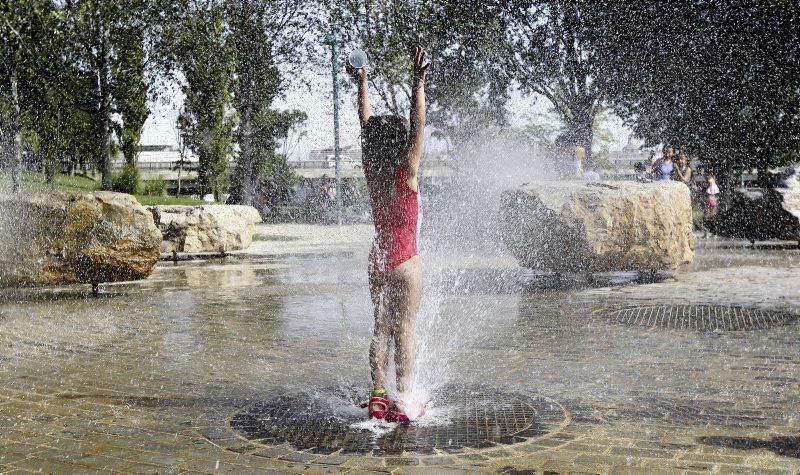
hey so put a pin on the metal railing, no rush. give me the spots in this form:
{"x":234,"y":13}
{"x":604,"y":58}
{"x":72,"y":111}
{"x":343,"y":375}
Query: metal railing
{"x":169,"y":165}
{"x":146,"y":166}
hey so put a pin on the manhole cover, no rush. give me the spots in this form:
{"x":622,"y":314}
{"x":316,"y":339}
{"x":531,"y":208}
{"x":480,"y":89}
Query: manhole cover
{"x":700,"y":317}
{"x":460,"y":418}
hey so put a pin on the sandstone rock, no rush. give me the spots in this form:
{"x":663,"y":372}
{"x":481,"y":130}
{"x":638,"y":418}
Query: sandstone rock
{"x":763,"y":213}
{"x":595,"y":227}
{"x":60,"y":238}
{"x":208,"y":228}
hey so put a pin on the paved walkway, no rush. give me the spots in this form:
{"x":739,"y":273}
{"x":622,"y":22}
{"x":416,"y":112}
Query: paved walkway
{"x":151,"y":376}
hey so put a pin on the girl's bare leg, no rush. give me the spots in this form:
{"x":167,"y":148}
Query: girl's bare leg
{"x":404,"y":298}
{"x":379,"y":347}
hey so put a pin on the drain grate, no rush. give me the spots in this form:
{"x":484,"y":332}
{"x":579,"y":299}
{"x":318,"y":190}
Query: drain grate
{"x":700,"y":317}
{"x":459,"y":419}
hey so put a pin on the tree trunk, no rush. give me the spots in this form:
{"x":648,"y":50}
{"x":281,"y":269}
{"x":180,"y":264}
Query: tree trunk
{"x":104,"y":109}
{"x":50,"y":167}
{"x":244,"y":169}
{"x":50,"y":174}
{"x":178,"y":193}
{"x":763,"y":176}
{"x":16,"y":157}
{"x":587,"y":144}
{"x":580,"y":126}
{"x":52,"y":152}
{"x":585,"y":116}
{"x":105,"y":150}
{"x":84,"y":165}
{"x":726,"y":181}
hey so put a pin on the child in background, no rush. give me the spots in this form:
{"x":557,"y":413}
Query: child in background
{"x":712,"y":200}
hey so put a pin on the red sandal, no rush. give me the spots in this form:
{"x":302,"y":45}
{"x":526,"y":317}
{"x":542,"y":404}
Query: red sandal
{"x":396,"y":416}
{"x":378,"y":398}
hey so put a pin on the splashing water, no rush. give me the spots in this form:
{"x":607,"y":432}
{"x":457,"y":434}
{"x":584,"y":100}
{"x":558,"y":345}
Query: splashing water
{"x":377,"y":427}
{"x":461,"y":233}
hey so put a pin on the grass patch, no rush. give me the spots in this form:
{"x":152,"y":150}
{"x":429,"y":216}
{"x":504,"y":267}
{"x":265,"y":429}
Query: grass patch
{"x":146,"y":200}
{"x":274,"y":237}
{"x":74,"y":183}
{"x":35,"y":182}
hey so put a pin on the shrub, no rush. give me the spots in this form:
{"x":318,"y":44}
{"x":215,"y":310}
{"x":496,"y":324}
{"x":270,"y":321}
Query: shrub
{"x":126,"y":181}
{"x":157,"y":187}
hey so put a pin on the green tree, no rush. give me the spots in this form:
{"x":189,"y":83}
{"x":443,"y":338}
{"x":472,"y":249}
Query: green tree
{"x":181,"y":138}
{"x":59,"y":93}
{"x":95,"y":20}
{"x":468,"y":86}
{"x":207,"y":66}
{"x":119,"y":43}
{"x":75,"y":66}
{"x":261,"y":34}
{"x":20,"y":34}
{"x":275,"y":177}
{"x":131,"y":94}
{"x":718,"y":78}
{"x":549,"y":55}
{"x":466,"y":91}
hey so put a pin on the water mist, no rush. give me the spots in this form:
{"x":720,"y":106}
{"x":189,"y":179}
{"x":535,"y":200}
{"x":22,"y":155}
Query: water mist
{"x":460,"y":234}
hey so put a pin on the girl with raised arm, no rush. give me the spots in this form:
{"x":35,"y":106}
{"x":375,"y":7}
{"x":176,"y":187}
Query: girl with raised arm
{"x":392,"y":150}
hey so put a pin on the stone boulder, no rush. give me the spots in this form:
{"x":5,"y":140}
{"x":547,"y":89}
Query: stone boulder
{"x":60,"y":238}
{"x":208,"y":228}
{"x":763,"y":213}
{"x":595,"y":227}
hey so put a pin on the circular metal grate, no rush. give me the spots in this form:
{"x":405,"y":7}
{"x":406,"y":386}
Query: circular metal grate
{"x":459,"y":419}
{"x":700,"y":317}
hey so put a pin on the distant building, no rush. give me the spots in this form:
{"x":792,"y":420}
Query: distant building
{"x":352,"y":152}
{"x":157,"y":157}
{"x":629,"y":155}
{"x":349,"y":156}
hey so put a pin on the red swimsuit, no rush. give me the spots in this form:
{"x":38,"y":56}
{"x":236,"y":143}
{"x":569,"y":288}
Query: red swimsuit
{"x":395,"y":226}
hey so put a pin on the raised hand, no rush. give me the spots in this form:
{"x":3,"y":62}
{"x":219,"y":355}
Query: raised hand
{"x":356,"y":73}
{"x":417,"y":116}
{"x":420,"y":63}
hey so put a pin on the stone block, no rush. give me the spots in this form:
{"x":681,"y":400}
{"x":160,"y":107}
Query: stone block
{"x":60,"y":238}
{"x":570,"y":226}
{"x":209,"y":228}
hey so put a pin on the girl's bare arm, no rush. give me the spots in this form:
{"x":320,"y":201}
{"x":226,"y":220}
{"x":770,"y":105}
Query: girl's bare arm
{"x":417,"y":119}
{"x":364,"y":105}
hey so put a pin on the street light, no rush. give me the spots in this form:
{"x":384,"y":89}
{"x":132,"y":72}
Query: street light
{"x":331,"y":40}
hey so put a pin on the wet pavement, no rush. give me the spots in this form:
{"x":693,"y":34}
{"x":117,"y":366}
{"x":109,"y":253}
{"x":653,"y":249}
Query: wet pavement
{"x":203,"y":366}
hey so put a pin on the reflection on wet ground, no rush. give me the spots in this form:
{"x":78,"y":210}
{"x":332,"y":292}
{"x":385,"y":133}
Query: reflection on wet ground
{"x":522,"y":281}
{"x":786,"y":446}
{"x":151,"y":376}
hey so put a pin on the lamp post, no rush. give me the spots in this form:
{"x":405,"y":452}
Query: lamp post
{"x":331,"y":40}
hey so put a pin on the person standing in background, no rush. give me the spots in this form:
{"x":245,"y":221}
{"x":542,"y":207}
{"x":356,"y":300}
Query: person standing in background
{"x":711,"y":200}
{"x":667,"y":154}
{"x":682,"y":170}
{"x":570,"y":158}
{"x":663,"y":168}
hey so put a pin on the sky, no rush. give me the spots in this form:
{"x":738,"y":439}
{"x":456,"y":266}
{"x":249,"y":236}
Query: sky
{"x":317,"y":103}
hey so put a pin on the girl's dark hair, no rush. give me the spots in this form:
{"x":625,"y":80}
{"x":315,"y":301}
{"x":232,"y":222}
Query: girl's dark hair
{"x":385,"y":140}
